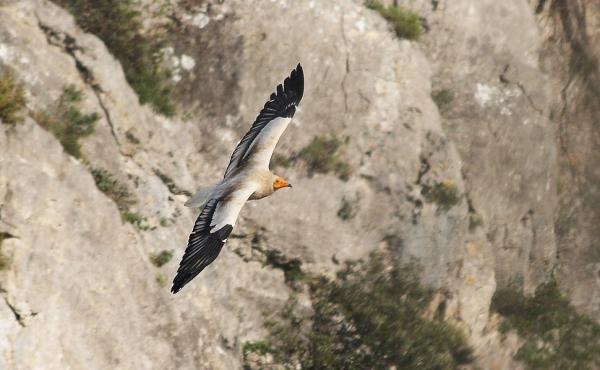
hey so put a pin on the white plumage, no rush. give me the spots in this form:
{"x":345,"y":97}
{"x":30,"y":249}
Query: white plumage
{"x":227,"y":212}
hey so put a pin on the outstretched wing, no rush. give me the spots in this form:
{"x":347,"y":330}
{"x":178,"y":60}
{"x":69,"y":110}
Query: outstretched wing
{"x":258,"y":143}
{"x":212,"y":227}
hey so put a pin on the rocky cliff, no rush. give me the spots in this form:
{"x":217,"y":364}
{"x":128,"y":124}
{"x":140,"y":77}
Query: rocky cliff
{"x":509,"y":139}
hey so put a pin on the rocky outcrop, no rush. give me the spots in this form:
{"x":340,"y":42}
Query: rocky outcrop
{"x":81,"y":276}
{"x":571,"y":56}
{"x":486,"y":57}
{"x":80,"y":290}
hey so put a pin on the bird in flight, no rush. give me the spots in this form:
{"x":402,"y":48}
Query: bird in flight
{"x":247,"y":177}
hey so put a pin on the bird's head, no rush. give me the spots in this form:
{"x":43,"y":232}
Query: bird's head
{"x":280,"y":183}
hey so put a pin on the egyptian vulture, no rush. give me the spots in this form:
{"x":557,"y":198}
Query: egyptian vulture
{"x":247,"y":177}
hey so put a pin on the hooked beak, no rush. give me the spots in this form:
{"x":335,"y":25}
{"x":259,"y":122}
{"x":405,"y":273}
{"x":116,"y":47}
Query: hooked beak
{"x":281,"y":183}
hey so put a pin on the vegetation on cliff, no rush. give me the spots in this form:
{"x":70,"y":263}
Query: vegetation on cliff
{"x":372,"y":316}
{"x":119,"y":25}
{"x":321,"y":155}
{"x":406,"y":23}
{"x":445,"y":194}
{"x":556,"y":336}
{"x":66,"y":120}
{"x":115,"y":190}
{"x":12,"y":97}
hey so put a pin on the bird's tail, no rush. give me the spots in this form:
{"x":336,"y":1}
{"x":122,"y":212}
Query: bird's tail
{"x":202,"y":196}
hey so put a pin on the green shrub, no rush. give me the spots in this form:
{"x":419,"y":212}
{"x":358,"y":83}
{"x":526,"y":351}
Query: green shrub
{"x":475,"y":221}
{"x":162,"y":258}
{"x":12,"y":97}
{"x":291,"y":267}
{"x":161,"y":280}
{"x":556,"y":336}
{"x":321,"y":157}
{"x":67,"y":122}
{"x":110,"y":186}
{"x":261,"y":347}
{"x":442,"y":98}
{"x":279,"y":160}
{"x":348,"y":209}
{"x":137,"y":220}
{"x":119,"y":25}
{"x":170,"y":184}
{"x":406,"y":23}
{"x":444,"y":194}
{"x":372,"y":316}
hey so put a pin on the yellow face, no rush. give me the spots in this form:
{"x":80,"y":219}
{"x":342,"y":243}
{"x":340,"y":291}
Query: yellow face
{"x":281,"y":183}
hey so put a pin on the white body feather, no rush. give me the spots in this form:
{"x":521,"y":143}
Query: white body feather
{"x":261,"y":150}
{"x":227,"y":212}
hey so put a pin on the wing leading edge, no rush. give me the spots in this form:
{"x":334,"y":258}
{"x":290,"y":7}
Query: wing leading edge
{"x":281,"y":104}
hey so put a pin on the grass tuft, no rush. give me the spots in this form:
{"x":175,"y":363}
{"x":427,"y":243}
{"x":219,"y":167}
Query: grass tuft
{"x":170,"y":184}
{"x":162,"y":258}
{"x":260,"y":347}
{"x":291,"y":267}
{"x":475,"y":221}
{"x":321,"y":157}
{"x":442,"y":98}
{"x":137,"y":220}
{"x":406,"y":23}
{"x":161,"y":280}
{"x":109,"y":185}
{"x":119,"y":25}
{"x":12,"y":98}
{"x":372,"y":316}
{"x":66,"y":121}
{"x":445,"y":194}
{"x":556,"y":336}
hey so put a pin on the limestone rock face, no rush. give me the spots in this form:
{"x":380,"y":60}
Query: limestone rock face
{"x":80,"y":290}
{"x":498,"y":119}
{"x":571,"y":56}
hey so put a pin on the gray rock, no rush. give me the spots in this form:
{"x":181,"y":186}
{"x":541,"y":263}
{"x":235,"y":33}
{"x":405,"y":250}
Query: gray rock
{"x":570,"y":55}
{"x":486,"y":55}
{"x":80,"y":290}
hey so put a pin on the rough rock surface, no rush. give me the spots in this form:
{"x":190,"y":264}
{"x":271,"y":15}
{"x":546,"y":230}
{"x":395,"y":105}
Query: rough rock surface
{"x":571,"y":56}
{"x":78,"y":274}
{"x":499,"y":122}
{"x":82,"y":277}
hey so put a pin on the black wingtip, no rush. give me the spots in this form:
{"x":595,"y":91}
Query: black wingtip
{"x":297,"y":83}
{"x":180,"y":281}
{"x":203,"y":247}
{"x":289,"y":94}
